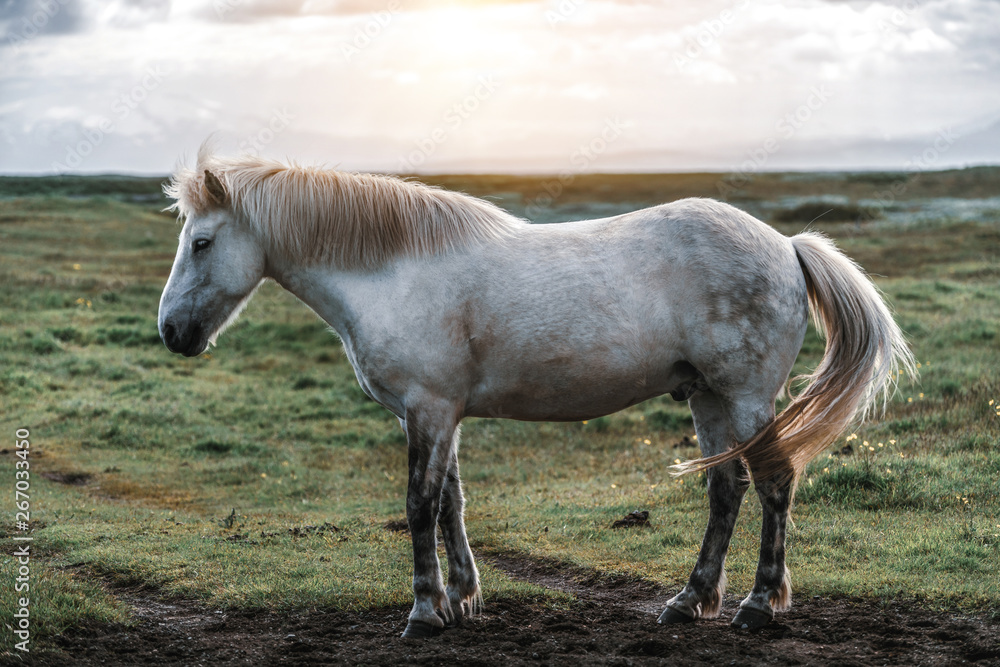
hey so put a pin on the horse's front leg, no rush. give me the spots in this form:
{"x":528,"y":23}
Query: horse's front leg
{"x":430,"y":436}
{"x":463,"y":577}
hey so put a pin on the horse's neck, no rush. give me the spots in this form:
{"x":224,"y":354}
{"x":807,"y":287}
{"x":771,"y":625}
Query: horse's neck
{"x":320,"y":288}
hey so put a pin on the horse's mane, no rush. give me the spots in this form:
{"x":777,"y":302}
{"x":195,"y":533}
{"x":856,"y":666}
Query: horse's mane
{"x":321,"y":215}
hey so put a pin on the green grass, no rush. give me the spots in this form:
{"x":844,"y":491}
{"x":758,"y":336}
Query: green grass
{"x":196,"y":472}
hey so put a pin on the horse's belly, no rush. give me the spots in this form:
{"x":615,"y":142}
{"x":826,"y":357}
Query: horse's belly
{"x":572,"y":393}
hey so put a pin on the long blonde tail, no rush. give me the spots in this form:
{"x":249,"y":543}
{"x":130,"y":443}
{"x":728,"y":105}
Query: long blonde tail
{"x":864,"y":352}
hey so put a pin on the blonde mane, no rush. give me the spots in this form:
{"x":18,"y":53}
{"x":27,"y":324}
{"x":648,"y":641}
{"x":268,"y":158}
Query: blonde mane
{"x":325,"y":216}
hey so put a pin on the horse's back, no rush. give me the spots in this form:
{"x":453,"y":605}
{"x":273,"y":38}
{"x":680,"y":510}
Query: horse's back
{"x":700,"y":252}
{"x":633,"y":302}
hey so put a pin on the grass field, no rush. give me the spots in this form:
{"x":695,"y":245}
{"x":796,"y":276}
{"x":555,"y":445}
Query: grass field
{"x":260,"y":476}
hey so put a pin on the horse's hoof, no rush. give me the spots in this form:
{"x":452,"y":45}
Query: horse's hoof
{"x":457,"y":617}
{"x":420,"y":630}
{"x":671,"y":616}
{"x":751,"y":619}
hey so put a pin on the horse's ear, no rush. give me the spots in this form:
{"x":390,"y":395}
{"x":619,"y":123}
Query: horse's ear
{"x":216,"y":190}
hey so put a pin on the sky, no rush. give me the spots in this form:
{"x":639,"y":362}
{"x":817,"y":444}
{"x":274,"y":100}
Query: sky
{"x":550,"y":86}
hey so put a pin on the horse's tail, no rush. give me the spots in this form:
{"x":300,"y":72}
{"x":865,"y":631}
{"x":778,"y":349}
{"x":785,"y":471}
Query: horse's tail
{"x":864,"y":352}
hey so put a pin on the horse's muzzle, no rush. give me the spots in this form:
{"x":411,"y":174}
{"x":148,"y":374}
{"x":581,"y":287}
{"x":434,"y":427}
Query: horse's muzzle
{"x":187,"y":342}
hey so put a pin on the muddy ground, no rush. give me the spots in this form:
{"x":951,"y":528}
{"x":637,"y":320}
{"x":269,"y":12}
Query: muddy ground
{"x":614,"y":623}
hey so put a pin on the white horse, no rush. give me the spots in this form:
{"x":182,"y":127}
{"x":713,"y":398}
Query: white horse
{"x":449,"y":307}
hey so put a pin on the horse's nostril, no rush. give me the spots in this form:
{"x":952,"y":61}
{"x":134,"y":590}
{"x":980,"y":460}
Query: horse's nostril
{"x":172,"y":338}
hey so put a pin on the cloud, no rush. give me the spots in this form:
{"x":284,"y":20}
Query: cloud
{"x":23,"y":20}
{"x":26,"y":19}
{"x":133,"y":13}
{"x":698,"y":85}
{"x":236,"y":11}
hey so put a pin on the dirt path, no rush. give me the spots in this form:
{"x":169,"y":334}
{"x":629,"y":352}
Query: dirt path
{"x":613,"y":623}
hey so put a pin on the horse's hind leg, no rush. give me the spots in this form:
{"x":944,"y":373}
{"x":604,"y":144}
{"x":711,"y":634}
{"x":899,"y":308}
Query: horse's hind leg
{"x":772,"y":590}
{"x":463,"y":577}
{"x":727,"y":483}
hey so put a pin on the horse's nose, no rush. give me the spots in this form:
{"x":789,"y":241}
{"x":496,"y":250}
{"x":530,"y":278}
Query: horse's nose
{"x":186,"y":341}
{"x":174,"y":340}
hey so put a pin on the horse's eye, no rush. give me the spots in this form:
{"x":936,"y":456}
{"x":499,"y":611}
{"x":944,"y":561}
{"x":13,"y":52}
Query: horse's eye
{"x":201,"y":244}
